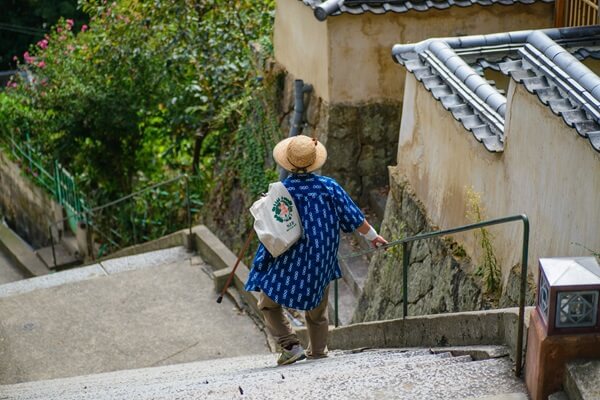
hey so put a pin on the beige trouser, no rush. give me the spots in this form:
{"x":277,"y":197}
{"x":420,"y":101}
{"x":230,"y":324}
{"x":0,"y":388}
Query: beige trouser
{"x":279,"y":327}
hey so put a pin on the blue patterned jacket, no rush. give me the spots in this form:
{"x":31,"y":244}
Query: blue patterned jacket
{"x":298,"y":278}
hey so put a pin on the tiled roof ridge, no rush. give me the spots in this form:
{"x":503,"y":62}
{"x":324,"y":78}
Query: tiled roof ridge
{"x":461,"y":90}
{"x":562,"y":82}
{"x":548,"y":70}
{"x":497,"y":39}
{"x":326,"y":8}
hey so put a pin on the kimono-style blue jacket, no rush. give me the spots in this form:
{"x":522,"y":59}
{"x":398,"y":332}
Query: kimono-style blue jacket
{"x":298,"y":278}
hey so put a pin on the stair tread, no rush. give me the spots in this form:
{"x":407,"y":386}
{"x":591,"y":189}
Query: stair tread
{"x":386,"y":374}
{"x":64,"y":257}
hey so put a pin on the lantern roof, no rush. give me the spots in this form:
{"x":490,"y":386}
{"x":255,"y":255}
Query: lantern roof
{"x":571,"y":271}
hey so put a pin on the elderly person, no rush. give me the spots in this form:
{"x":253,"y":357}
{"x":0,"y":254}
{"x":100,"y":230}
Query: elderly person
{"x":300,"y":277}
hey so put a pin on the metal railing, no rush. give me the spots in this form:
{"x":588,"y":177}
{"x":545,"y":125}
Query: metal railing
{"x":405,"y":263}
{"x":59,"y":183}
{"x":133,"y":219}
{"x":576,"y":12}
{"x":31,"y":163}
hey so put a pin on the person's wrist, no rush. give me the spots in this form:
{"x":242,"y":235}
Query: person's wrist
{"x":371,"y":234}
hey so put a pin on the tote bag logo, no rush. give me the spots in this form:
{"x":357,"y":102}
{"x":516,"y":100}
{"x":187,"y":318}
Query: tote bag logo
{"x":282,"y":208}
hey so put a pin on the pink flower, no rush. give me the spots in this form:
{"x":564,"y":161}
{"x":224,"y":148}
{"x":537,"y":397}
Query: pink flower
{"x":69,"y":24}
{"x":27,"y":57}
{"x":41,"y":64}
{"x":42,"y":44}
{"x":15,"y":58}
{"x":84,"y":28}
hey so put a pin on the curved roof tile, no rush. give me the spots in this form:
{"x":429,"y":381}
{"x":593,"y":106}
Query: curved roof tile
{"x":326,"y":8}
{"x":547,"y":65}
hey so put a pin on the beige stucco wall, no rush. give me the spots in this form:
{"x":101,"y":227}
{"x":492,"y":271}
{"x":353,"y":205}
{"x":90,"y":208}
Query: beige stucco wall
{"x":301,"y":44}
{"x":348,"y":57}
{"x":362,"y":68}
{"x":546,"y":171}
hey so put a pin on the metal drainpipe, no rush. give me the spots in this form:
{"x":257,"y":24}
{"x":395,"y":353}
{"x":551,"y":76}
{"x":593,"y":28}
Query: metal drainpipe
{"x":299,"y":89}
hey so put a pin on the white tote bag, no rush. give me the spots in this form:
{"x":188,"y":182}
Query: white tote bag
{"x":276,"y":219}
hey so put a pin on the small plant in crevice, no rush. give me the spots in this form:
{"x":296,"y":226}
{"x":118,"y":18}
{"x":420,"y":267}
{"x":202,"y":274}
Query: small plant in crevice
{"x":595,"y":253}
{"x":488,"y":267}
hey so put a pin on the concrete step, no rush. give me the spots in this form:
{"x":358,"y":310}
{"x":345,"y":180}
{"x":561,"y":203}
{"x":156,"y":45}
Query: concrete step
{"x":20,"y":253}
{"x":152,"y":309}
{"x":377,"y":201}
{"x":347,"y":302}
{"x":374,"y":374}
{"x":64,"y":254}
{"x":582,"y":380}
{"x":354,"y":277}
{"x":356,"y":269}
{"x":9,"y":272}
{"x":59,"y":257}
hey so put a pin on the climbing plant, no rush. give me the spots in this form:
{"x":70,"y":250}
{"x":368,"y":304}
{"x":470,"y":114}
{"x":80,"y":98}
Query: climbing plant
{"x":488,"y":268}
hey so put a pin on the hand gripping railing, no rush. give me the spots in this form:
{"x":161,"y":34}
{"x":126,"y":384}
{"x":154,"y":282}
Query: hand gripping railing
{"x":405,"y":261}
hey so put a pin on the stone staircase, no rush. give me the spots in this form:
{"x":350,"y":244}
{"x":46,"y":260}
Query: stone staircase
{"x":151,"y":309}
{"x":146,"y":327}
{"x":355,"y":270}
{"x":370,"y":374}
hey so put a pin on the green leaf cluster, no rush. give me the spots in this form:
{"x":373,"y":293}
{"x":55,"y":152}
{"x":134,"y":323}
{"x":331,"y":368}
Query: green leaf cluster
{"x":120,"y":102}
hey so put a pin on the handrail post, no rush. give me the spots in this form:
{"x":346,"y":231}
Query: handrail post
{"x":90,"y":235}
{"x":521,"y":327}
{"x":52,"y":244}
{"x":335,"y":303}
{"x":405,"y":259}
{"x":188,"y":206}
{"x":132,"y":219}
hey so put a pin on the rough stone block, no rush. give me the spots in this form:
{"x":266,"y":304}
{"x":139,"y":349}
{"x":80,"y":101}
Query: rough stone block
{"x":369,"y":163}
{"x":582,"y":379}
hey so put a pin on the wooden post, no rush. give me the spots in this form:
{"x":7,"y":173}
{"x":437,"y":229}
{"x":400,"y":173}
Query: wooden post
{"x":559,"y":13}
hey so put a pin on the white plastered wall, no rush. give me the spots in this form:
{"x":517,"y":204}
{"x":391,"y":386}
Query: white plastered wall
{"x":347,"y":58}
{"x":301,"y":44}
{"x":546,"y":171}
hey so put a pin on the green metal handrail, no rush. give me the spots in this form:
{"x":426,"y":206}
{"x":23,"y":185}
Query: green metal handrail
{"x":88,"y":214}
{"x":405,"y":262}
{"x":30,"y":158}
{"x":59,"y":183}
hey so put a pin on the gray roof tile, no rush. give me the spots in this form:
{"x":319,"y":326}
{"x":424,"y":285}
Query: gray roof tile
{"x":594,"y":138}
{"x":326,"y":8}
{"x":545,"y":62}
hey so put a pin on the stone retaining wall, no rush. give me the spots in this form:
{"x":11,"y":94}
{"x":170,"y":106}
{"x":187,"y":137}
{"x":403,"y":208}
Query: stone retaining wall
{"x":440,"y":276}
{"x":27,"y":208}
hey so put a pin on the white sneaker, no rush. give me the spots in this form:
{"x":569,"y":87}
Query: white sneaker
{"x":296,"y":353}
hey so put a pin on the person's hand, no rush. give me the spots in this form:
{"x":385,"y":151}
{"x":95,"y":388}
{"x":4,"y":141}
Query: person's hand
{"x":378,"y":241}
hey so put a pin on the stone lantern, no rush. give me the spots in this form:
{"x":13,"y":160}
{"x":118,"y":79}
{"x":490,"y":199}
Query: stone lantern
{"x":565,"y":324}
{"x":568,"y":293}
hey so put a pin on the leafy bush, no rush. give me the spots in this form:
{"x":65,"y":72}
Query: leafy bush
{"x":119,"y":101}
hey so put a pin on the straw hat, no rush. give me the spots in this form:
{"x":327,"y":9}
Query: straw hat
{"x":300,"y":154}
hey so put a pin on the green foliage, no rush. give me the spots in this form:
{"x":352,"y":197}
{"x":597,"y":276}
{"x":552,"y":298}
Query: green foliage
{"x":489,"y":268}
{"x":120,"y":102}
